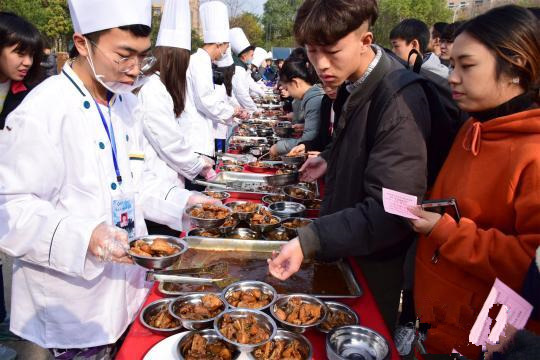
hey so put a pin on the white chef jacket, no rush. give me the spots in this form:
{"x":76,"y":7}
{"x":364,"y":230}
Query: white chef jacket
{"x":204,"y":106}
{"x":221,"y":131}
{"x":241,"y":89}
{"x":57,"y":180}
{"x":162,"y":130}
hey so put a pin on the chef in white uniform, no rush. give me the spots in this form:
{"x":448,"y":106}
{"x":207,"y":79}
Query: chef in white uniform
{"x":204,"y":106}
{"x":257,"y":88}
{"x":158,"y":111}
{"x":74,"y":163}
{"x":243,"y":51}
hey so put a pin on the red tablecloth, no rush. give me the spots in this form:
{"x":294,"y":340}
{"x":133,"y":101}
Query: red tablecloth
{"x":140,"y":340}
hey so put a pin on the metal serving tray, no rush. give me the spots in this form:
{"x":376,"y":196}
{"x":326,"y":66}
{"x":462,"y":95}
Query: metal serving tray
{"x":256,"y":248}
{"x":244,"y":185}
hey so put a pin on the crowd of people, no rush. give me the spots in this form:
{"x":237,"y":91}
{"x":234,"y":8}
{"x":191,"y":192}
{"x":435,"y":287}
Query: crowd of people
{"x":108,"y":148}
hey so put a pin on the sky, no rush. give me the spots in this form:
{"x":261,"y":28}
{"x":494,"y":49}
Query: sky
{"x":255,"y":6}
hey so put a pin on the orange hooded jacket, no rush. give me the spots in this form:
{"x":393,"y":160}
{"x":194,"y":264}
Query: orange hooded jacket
{"x":493,"y":170}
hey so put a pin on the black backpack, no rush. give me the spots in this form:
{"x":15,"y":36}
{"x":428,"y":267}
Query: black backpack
{"x":446,"y":117}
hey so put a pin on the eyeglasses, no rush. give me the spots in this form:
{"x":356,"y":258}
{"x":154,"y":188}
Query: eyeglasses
{"x":126,"y":64}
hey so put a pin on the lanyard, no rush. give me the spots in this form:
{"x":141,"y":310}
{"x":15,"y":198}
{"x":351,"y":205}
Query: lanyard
{"x":110,"y":134}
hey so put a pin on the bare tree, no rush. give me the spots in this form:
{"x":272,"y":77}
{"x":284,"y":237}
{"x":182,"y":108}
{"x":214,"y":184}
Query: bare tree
{"x":235,"y":7}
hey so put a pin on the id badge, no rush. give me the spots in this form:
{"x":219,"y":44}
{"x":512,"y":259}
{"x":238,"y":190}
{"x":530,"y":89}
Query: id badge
{"x":123,"y":213}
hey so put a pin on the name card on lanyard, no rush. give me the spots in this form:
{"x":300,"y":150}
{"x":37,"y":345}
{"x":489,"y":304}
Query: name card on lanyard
{"x":123,"y":203}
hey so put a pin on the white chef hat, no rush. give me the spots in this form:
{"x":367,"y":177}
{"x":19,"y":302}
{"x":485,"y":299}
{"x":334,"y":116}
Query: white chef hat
{"x":259,"y":55}
{"x":227,"y":59}
{"x":89,"y":16}
{"x":175,"y":28}
{"x":270,"y":56}
{"x":239,"y":41}
{"x":215,"y":22}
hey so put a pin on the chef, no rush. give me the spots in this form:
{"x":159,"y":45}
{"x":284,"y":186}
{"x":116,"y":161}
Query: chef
{"x":74,"y":162}
{"x":257,"y":87}
{"x":204,"y":106}
{"x":162,"y":102}
{"x":243,"y":52}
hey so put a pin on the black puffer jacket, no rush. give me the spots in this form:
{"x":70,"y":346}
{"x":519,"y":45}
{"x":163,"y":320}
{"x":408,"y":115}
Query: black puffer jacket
{"x":354,"y":222}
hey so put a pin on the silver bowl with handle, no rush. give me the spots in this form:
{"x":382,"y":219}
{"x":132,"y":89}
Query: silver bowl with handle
{"x":356,"y":342}
{"x":154,"y":262}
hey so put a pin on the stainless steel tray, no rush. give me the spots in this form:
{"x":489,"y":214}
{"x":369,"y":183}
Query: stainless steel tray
{"x":266,"y":247}
{"x":245,"y":185}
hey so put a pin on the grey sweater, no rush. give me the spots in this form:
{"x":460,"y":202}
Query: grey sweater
{"x":311,"y":108}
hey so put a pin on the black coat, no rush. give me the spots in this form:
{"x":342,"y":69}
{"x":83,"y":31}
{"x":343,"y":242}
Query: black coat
{"x":13,"y":100}
{"x":353,"y":221}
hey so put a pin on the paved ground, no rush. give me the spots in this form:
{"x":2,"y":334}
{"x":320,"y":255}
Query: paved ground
{"x":25,"y":349}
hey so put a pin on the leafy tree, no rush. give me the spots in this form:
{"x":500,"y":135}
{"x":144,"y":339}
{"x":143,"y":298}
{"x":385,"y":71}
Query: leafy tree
{"x":196,"y":40}
{"x":278,"y":20}
{"x":392,"y":12}
{"x":252,"y":28}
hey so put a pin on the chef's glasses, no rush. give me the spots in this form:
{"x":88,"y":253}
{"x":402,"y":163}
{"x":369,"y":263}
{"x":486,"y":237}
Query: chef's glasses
{"x":126,"y":64}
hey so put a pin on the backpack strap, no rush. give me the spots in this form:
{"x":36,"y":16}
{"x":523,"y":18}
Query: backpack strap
{"x":391,"y":85}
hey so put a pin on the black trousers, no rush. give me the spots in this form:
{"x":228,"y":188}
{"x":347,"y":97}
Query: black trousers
{"x":158,"y":229}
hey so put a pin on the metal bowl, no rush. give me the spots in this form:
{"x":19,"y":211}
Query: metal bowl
{"x":259,"y":150}
{"x":242,"y":216}
{"x":206,"y":223}
{"x":287,"y":209}
{"x":243,"y":234}
{"x":284,"y":132}
{"x":193,"y":299}
{"x":152,"y":309}
{"x":263,"y":131}
{"x":218,"y":195}
{"x":337,"y":306}
{"x":289,"y":336}
{"x":200,"y":232}
{"x":272,"y":235}
{"x":282,"y":301}
{"x":259,"y":169}
{"x":260,"y":228}
{"x":270,"y":199}
{"x":210,"y":335}
{"x":309,"y":195}
{"x":294,"y":160}
{"x":294,"y":231}
{"x":313,"y":204}
{"x":263,"y":320}
{"x":356,"y":342}
{"x":225,"y":230}
{"x":158,"y":263}
{"x":232,"y":168}
{"x":250,"y":285}
{"x":283,"y":179}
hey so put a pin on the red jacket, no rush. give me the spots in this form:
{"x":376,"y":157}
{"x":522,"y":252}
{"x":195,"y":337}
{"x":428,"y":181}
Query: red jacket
{"x":493,"y":170}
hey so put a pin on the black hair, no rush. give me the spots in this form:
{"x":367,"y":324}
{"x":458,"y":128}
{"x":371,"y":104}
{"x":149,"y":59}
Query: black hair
{"x":228,"y":73}
{"x":325,"y":22}
{"x":438,"y":28}
{"x":412,"y":29}
{"x":516,"y":49}
{"x":535,"y":11}
{"x":449,"y":33}
{"x":297,"y":65}
{"x":15,"y":30}
{"x":137,"y":30}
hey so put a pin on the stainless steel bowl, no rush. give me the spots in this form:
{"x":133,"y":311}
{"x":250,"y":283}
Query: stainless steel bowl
{"x":282,"y":301}
{"x":199,"y":232}
{"x":218,"y":195}
{"x":243,"y":234}
{"x":225,"y":230}
{"x":250,"y":285}
{"x":261,"y":228}
{"x":271,"y":235}
{"x":309,"y":195}
{"x":259,"y":150}
{"x":206,"y":223}
{"x":242,"y":216}
{"x":158,"y":263}
{"x":263,"y":320}
{"x":294,"y":160}
{"x":194,"y":299}
{"x":294,"y":231}
{"x":210,"y":335}
{"x":263,"y":132}
{"x":287,"y":209}
{"x":337,"y":306}
{"x":356,"y":342}
{"x":151,"y":310}
{"x":290,"y":336}
{"x":283,"y":179}
{"x":270,"y":199}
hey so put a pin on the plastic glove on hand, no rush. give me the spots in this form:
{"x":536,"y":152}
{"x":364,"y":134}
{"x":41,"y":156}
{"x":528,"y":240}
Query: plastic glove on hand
{"x":110,"y":244}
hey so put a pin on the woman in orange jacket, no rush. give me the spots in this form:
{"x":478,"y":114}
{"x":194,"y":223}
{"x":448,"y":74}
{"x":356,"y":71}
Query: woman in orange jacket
{"x":493,"y":170}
